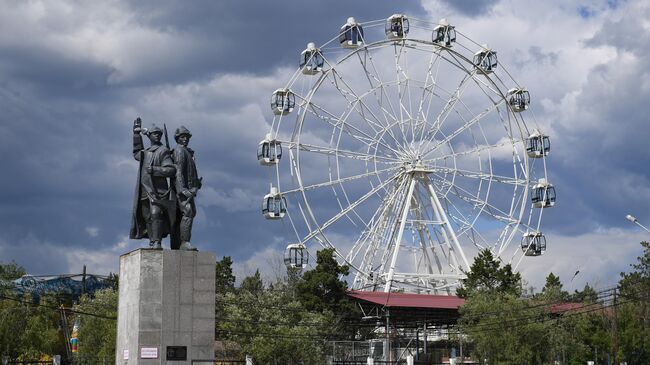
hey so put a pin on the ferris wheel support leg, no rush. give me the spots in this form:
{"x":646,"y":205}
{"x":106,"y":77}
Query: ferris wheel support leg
{"x":438,"y":207}
{"x":400,"y":233}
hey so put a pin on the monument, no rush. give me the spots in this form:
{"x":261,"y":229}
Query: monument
{"x":166,"y":310}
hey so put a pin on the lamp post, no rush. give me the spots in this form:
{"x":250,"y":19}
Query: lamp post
{"x":633,"y":219}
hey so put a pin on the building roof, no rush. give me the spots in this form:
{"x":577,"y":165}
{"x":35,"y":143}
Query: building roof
{"x":404,"y":300}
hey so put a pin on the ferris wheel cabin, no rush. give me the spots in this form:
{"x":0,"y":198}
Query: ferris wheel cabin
{"x":274,"y":205}
{"x":537,"y":145}
{"x":485,"y":60}
{"x":543,"y":194}
{"x":311,"y":60}
{"x":351,"y":34}
{"x":282,"y":101}
{"x":269,"y":151}
{"x":533,"y":244}
{"x":518,"y":99}
{"x":296,"y":256}
{"x":444,"y":34}
{"x":397,"y":26}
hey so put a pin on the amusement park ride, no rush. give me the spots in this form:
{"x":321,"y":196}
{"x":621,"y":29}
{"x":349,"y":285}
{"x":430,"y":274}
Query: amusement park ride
{"x":402,"y":145}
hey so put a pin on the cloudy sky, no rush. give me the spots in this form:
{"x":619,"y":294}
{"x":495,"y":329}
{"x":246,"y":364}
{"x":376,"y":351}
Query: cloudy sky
{"x":74,"y":75}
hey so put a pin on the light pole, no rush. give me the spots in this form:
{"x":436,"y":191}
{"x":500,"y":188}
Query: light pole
{"x":633,"y":219}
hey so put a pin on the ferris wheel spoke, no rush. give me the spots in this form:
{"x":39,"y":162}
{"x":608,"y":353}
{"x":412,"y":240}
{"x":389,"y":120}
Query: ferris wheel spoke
{"x":340,"y":180}
{"x":390,"y":113}
{"x":333,"y":151}
{"x":355,"y":101}
{"x":320,"y":228}
{"x":400,"y":92}
{"x":464,"y":127}
{"x":358,"y":104}
{"x":426,"y":94}
{"x":346,"y":128}
{"x":386,"y":114}
{"x":486,"y":176}
{"x":437,"y":123}
{"x":476,"y":150}
{"x":477,"y":202}
{"x":377,"y":224}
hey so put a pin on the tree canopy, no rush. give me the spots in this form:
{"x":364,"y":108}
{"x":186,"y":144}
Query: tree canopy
{"x":488,"y":276}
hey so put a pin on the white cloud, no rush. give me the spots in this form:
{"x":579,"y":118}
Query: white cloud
{"x":92,"y":231}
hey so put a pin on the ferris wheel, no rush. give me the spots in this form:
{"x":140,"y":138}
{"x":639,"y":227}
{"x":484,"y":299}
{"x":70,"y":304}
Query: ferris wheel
{"x":402,"y":145}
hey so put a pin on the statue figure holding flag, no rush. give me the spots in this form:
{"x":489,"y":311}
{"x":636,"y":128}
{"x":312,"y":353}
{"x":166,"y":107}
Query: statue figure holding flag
{"x":154,"y":205}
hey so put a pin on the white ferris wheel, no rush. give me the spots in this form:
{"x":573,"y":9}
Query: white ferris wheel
{"x":402,"y":144}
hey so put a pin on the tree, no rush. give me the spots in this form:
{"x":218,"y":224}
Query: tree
{"x":586,"y":295}
{"x":97,"y":332}
{"x":552,"y":290}
{"x":225,"y":280}
{"x":634,"y":313}
{"x":252,"y":284}
{"x":11,"y":271}
{"x":487,"y":275}
{"x":505,"y":329}
{"x":272,"y":326}
{"x":552,"y":281}
{"x":321,"y":289}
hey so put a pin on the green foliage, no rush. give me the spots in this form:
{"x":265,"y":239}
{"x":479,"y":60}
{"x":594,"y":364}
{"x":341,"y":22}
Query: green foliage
{"x":29,"y":330}
{"x":487,"y":276}
{"x":552,"y":290}
{"x":586,"y":295}
{"x":552,"y":282}
{"x":504,"y":330}
{"x":224,"y":280}
{"x":97,"y":335}
{"x":634,"y":314}
{"x":252,"y":284}
{"x":321,"y":289}
{"x":273,"y":327}
{"x":41,"y":336}
{"x":11,"y":271}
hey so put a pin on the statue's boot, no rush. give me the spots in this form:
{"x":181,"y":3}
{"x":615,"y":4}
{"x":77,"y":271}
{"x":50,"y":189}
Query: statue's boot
{"x":186,"y":246}
{"x":155,"y":245}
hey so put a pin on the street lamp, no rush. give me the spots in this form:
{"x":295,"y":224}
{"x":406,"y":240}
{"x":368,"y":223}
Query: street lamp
{"x":633,"y":219}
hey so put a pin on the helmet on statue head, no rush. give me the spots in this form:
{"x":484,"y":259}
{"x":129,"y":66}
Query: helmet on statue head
{"x":181,"y":131}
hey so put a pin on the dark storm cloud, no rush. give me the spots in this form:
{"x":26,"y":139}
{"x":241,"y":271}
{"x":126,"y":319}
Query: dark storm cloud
{"x":253,"y":36}
{"x":602,"y":170}
{"x":471,"y":7}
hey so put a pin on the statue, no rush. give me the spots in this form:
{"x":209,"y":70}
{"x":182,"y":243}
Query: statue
{"x":154,"y":205}
{"x":187,"y":183}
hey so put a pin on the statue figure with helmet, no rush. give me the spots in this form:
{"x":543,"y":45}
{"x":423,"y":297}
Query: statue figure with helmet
{"x":187,"y":183}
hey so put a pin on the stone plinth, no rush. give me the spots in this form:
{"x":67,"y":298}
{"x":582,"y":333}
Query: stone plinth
{"x":166,"y":302}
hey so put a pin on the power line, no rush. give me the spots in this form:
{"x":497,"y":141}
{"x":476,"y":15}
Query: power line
{"x":57,"y":308}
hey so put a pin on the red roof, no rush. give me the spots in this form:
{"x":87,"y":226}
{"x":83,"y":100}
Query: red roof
{"x":409,"y":300}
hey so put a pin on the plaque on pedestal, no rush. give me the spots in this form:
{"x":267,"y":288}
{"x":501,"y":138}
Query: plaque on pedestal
{"x":166,"y":307}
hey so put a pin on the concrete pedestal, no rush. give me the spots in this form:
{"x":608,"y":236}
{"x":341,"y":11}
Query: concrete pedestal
{"x":166,"y":307}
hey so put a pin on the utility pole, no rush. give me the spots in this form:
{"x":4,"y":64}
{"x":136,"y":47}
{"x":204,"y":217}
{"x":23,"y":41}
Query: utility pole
{"x":388,"y":356}
{"x":83,"y":281}
{"x":615,"y":329}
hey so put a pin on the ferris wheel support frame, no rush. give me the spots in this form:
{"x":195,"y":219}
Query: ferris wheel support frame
{"x":420,"y":176}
